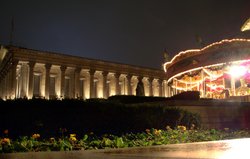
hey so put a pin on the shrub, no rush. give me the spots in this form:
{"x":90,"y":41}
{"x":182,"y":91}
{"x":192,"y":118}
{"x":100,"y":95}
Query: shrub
{"x":101,"y":116}
{"x":189,"y":95}
{"x":130,"y":99}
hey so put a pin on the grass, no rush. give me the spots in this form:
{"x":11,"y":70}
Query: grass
{"x":150,"y":137}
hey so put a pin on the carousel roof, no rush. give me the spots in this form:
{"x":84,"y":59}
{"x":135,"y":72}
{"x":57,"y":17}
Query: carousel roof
{"x":212,"y":55}
{"x":246,"y":25}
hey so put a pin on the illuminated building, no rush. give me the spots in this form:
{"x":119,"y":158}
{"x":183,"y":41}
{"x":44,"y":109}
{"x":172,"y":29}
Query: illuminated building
{"x":30,"y":73}
{"x":215,"y":70}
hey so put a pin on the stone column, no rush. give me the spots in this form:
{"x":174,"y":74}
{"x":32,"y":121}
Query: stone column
{"x":24,"y":80}
{"x":123,"y":85}
{"x":104,"y":75}
{"x":166,"y":88}
{"x":14,"y":80}
{"x":95,"y":88}
{"x":47,"y":80}
{"x":8,"y":84}
{"x":163,"y":89}
{"x":4,"y":87}
{"x":160,"y":87}
{"x":1,"y":90}
{"x":83,"y":93}
{"x":150,"y":83}
{"x":116,"y":75}
{"x":63,"y":69}
{"x":175,"y":83}
{"x":77,"y":82}
{"x":91,"y":83}
{"x":31,"y":78}
{"x":129,"y":77}
{"x":17,"y":93}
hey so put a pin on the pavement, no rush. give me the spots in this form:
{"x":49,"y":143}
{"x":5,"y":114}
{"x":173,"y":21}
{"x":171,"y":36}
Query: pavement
{"x":224,"y":149}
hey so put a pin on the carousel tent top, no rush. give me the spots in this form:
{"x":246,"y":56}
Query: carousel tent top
{"x":214,"y":54}
{"x":246,"y":25}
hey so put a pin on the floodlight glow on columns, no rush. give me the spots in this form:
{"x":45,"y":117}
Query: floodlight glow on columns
{"x":237,"y":71}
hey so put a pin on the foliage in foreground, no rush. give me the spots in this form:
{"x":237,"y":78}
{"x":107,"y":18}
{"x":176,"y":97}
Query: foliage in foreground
{"x":91,"y":141}
{"x":22,"y":116}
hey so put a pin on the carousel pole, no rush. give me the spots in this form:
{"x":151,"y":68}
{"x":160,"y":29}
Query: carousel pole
{"x":223,"y":83}
{"x":202,"y":83}
{"x":233,"y":85}
{"x":176,"y":86}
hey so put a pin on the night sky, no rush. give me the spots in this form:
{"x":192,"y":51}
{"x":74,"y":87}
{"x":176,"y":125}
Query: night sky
{"x":125,"y":31}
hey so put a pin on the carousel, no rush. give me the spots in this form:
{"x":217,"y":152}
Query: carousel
{"x":220,"y":70}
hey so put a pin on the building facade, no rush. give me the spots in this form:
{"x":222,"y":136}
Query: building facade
{"x":219,"y":70}
{"x":31,"y":73}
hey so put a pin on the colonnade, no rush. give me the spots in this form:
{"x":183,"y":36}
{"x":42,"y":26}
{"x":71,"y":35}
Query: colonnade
{"x":45,"y":80}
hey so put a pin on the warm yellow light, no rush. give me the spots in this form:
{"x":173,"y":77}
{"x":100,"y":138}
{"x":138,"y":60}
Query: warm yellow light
{"x":185,"y":89}
{"x":237,"y":148}
{"x":187,"y":82}
{"x":237,"y":71}
{"x":213,"y":86}
{"x":213,"y":76}
{"x":246,"y":25}
{"x":195,"y":69}
{"x":182,"y":54}
{"x":204,"y":69}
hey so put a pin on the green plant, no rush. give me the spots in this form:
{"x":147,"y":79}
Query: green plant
{"x":170,"y":135}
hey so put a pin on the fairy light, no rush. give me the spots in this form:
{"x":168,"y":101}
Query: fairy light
{"x":197,"y":82}
{"x":181,"y":73}
{"x":179,"y":55}
{"x":214,"y":87}
{"x":184,"y":89}
{"x":194,"y":69}
{"x":200,"y":68}
{"x":185,"y":82}
{"x":212,"y":75}
{"x":195,"y":51}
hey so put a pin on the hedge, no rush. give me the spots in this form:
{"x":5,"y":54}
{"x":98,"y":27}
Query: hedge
{"x":50,"y":117}
{"x":129,"y":99}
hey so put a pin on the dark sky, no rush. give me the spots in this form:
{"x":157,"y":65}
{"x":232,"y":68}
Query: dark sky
{"x":126,"y":31}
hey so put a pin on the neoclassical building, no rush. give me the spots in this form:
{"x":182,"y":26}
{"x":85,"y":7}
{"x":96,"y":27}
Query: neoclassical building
{"x":31,"y":73}
{"x":219,"y":70}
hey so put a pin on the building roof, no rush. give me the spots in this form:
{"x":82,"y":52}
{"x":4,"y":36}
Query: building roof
{"x":25,"y":54}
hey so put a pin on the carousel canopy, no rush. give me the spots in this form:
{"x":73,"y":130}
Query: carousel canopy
{"x":246,"y":25}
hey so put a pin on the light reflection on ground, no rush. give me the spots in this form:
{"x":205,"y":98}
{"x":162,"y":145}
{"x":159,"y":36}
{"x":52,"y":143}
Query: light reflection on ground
{"x":236,"y":149}
{"x":225,"y":149}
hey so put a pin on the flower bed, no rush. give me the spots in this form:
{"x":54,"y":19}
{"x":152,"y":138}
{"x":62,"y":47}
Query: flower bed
{"x":150,"y":137}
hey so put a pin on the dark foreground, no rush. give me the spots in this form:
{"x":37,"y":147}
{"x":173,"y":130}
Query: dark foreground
{"x":226,"y":149}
